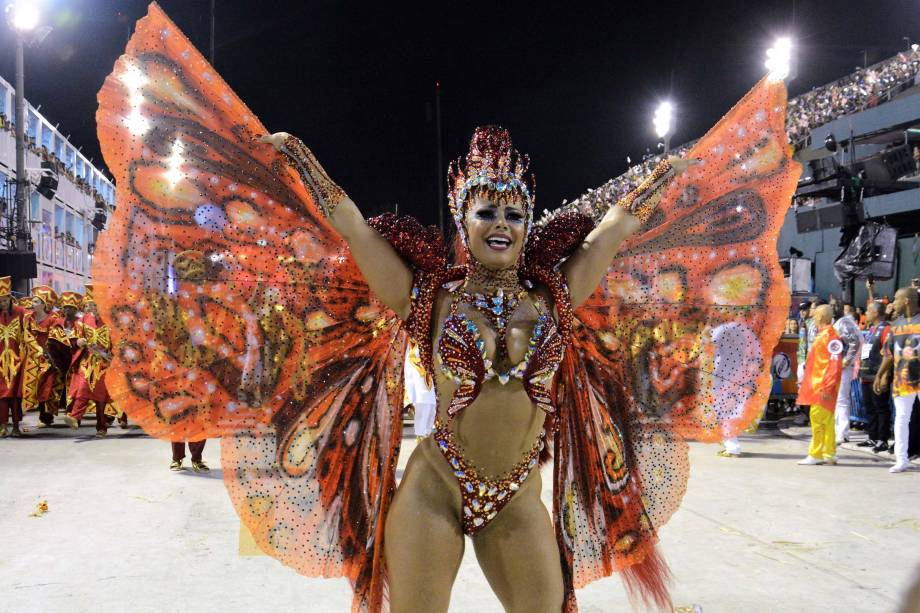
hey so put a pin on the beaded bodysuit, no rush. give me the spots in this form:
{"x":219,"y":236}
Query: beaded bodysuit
{"x":462,"y":357}
{"x":675,"y":343}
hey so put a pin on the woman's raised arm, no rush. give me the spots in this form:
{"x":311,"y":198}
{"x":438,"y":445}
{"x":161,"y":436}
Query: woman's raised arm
{"x":585,"y":269}
{"x":385,"y":271}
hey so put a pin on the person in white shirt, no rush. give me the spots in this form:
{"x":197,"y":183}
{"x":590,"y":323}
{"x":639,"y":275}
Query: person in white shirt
{"x":849,"y":333}
{"x":418,"y":393}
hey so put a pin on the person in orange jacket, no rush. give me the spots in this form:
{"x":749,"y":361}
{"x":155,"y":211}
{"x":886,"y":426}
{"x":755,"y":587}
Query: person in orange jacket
{"x":819,"y":388}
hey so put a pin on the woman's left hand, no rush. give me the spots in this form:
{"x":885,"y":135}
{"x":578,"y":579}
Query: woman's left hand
{"x":680,"y":164}
{"x":622,"y":219}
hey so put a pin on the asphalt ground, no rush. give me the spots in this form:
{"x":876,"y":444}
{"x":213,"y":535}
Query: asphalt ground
{"x":757,"y":533}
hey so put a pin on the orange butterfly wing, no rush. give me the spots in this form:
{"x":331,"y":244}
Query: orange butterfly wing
{"x":268,"y":337}
{"x":675,"y":344}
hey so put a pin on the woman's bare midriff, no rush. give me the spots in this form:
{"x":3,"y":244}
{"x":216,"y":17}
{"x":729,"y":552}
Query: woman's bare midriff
{"x":498,"y":428}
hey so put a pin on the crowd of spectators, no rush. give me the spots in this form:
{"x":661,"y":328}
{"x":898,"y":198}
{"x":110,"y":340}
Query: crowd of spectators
{"x":865,"y":88}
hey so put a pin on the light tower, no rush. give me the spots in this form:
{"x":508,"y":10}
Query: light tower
{"x":779,"y":58}
{"x":663,"y":121}
{"x":23,"y":17}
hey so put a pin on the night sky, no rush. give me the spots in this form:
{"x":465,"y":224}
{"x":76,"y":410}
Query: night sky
{"x":576,"y":83}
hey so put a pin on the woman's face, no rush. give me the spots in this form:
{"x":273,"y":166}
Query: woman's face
{"x":38,"y":306}
{"x":495,"y":230}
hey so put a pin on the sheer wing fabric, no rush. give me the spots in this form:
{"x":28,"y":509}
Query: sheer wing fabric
{"x":262,"y":331}
{"x":674,"y":345}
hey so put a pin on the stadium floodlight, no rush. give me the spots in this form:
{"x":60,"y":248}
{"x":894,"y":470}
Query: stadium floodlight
{"x":24,"y":15}
{"x":662,"y":120}
{"x":779,"y":58}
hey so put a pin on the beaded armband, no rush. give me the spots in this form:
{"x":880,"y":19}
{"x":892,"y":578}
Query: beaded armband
{"x":642,"y":201}
{"x":323,"y":189}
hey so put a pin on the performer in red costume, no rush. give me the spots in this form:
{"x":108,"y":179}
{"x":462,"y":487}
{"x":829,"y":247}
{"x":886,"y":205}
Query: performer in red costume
{"x":62,"y":345}
{"x":537,"y":337}
{"x":11,"y":360}
{"x":40,"y":370}
{"x":91,"y":359}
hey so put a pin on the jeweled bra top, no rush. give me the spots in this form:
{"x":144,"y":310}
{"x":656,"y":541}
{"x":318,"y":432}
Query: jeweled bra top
{"x":462,"y":356}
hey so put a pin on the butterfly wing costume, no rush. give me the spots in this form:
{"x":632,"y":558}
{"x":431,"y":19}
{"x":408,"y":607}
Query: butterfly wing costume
{"x":236,"y":311}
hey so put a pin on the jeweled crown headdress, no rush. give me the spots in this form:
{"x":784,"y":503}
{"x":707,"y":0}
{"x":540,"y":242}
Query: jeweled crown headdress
{"x":493,"y":163}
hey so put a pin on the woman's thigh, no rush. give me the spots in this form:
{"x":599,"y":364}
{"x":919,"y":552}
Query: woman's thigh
{"x":519,"y":556}
{"x":423,"y":540}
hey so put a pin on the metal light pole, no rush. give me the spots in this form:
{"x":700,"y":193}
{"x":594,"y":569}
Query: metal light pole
{"x":437,"y":115}
{"x":22,"y":180}
{"x":23,"y":18}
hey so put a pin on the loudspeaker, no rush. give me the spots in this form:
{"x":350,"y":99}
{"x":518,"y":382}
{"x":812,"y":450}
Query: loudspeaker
{"x":18,"y":264}
{"x":883,"y":252}
{"x":886,"y":165}
{"x":806,"y":220}
{"x":836,"y":215}
{"x":47,"y":185}
{"x":869,"y":254}
{"x":822,"y":169}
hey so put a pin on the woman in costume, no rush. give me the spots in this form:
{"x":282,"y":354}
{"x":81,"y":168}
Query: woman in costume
{"x":493,"y":332}
{"x":538,"y":340}
{"x":40,"y":370}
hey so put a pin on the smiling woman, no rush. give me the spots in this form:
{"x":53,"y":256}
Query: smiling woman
{"x":496,"y":229}
{"x":538,"y":337}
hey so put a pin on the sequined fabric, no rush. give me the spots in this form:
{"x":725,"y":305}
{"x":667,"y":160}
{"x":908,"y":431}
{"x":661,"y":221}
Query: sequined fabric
{"x":324,"y":190}
{"x":675,"y":344}
{"x":275,"y":343}
{"x":643,"y":201}
{"x":463,"y":358}
{"x":483,"y":497}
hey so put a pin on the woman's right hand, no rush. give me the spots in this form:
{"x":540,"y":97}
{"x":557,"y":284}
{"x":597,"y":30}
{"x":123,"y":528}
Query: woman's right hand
{"x":276,"y":140}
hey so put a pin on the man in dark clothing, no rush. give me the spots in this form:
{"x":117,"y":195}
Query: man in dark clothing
{"x":877,"y":409}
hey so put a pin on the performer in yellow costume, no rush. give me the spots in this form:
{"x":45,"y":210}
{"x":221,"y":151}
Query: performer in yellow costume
{"x":41,"y":367}
{"x":819,"y":388}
